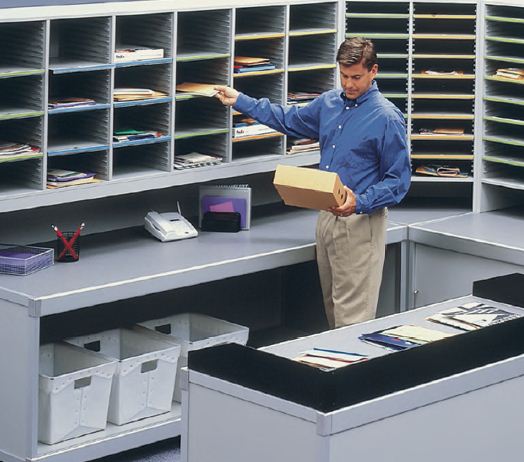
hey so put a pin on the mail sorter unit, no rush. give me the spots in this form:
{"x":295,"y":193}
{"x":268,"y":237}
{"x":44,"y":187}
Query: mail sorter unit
{"x":443,"y":91}
{"x":451,"y":399}
{"x":128,"y":121}
{"x":201,"y":124}
{"x":312,"y":43}
{"x":388,"y":25}
{"x":502,"y":176}
{"x":260,"y":32}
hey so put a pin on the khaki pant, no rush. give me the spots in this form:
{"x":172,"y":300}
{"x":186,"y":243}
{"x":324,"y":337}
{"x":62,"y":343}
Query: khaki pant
{"x":350,"y":258}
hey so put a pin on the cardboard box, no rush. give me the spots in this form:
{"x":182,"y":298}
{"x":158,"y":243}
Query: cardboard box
{"x":309,"y":187}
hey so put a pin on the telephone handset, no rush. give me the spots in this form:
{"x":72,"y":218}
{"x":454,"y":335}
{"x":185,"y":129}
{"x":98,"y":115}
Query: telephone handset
{"x":169,"y":226}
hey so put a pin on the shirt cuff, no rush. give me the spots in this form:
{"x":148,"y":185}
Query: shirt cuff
{"x":244,"y":103}
{"x":361,"y":206}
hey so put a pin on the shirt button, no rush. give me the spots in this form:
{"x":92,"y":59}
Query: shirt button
{"x":327,"y":166}
{"x":340,"y":126}
{"x":356,"y":105}
{"x":334,"y":146}
{"x":347,"y":107}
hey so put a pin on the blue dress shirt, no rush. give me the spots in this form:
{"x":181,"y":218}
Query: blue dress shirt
{"x":363,"y":140}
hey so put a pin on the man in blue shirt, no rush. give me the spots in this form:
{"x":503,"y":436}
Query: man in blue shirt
{"x":362,"y":138}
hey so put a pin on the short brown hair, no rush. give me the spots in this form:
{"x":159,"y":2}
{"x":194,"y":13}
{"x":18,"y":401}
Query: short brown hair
{"x":357,"y":50}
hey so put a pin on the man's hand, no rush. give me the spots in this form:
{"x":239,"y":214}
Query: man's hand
{"x":348,"y":208}
{"x":227,"y":95}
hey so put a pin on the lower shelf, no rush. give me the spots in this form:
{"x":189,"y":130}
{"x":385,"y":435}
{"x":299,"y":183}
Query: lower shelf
{"x":440,"y":179}
{"x":116,"y":438}
{"x":505,"y":182}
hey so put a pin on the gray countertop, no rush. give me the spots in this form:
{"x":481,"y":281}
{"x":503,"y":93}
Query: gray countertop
{"x":498,"y":235}
{"x":130,"y":263}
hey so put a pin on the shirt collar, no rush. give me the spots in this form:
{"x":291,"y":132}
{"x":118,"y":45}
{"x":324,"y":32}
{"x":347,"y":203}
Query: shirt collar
{"x":373,"y":88}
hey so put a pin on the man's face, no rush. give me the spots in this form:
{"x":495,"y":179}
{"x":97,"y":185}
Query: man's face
{"x":356,"y":79}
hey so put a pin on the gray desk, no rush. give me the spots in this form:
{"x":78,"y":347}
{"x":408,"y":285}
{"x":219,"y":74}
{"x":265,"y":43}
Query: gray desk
{"x":448,"y":254}
{"x":411,"y":214}
{"x":470,"y":415}
{"x":126,"y":264}
{"x":117,"y":266}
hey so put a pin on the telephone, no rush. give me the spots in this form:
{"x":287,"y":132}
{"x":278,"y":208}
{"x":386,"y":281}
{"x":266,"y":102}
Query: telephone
{"x":169,"y":226}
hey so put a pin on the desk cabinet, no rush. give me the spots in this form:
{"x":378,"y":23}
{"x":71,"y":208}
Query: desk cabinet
{"x":112,"y":285}
{"x":413,"y":405}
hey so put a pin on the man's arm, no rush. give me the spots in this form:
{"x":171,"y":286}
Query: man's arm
{"x":395,"y":170}
{"x":293,"y":121}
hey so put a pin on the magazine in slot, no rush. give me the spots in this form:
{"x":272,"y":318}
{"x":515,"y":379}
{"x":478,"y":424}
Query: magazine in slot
{"x":143,"y":37}
{"x":79,"y":91}
{"x":201,"y":151}
{"x":141,"y":125}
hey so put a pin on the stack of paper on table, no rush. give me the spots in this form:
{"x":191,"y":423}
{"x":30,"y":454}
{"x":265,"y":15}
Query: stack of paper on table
{"x":126,"y":53}
{"x":9,"y":150}
{"x":327,"y":360}
{"x":511,"y":73}
{"x":70,"y":101}
{"x":194,"y":88}
{"x":404,"y":337}
{"x":303,"y":145}
{"x":195,"y":159}
{"x":136,"y":94}
{"x":58,"y":178}
{"x":252,"y":64}
{"x":130,"y":134}
{"x":472,"y":316}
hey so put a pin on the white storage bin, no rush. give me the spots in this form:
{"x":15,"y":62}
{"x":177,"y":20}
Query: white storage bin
{"x":195,"y":331}
{"x":146,"y":371}
{"x":74,"y":389}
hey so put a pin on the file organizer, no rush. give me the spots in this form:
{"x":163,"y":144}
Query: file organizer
{"x":387,"y":24}
{"x":21,"y":174}
{"x":194,"y":332}
{"x":312,"y":48}
{"x":21,"y":260}
{"x":75,"y":56}
{"x":94,"y":85}
{"x":201,"y":123}
{"x":145,"y":374}
{"x":260,"y":33}
{"x":152,"y":30}
{"x":503,"y":117}
{"x":80,"y":44}
{"x":74,"y":390}
{"x":443,"y":39}
{"x":239,"y":197}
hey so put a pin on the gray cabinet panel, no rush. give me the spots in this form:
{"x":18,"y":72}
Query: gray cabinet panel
{"x":440,"y":274}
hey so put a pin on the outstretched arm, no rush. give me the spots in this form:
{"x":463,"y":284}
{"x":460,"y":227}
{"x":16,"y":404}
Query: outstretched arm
{"x":294,"y":121}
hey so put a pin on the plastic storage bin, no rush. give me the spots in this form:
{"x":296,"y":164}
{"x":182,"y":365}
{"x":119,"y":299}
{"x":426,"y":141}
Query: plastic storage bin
{"x":145,"y":375}
{"x":196,"y":331}
{"x":74,"y":389}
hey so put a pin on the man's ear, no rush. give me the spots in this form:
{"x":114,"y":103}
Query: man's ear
{"x":374,"y":69}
